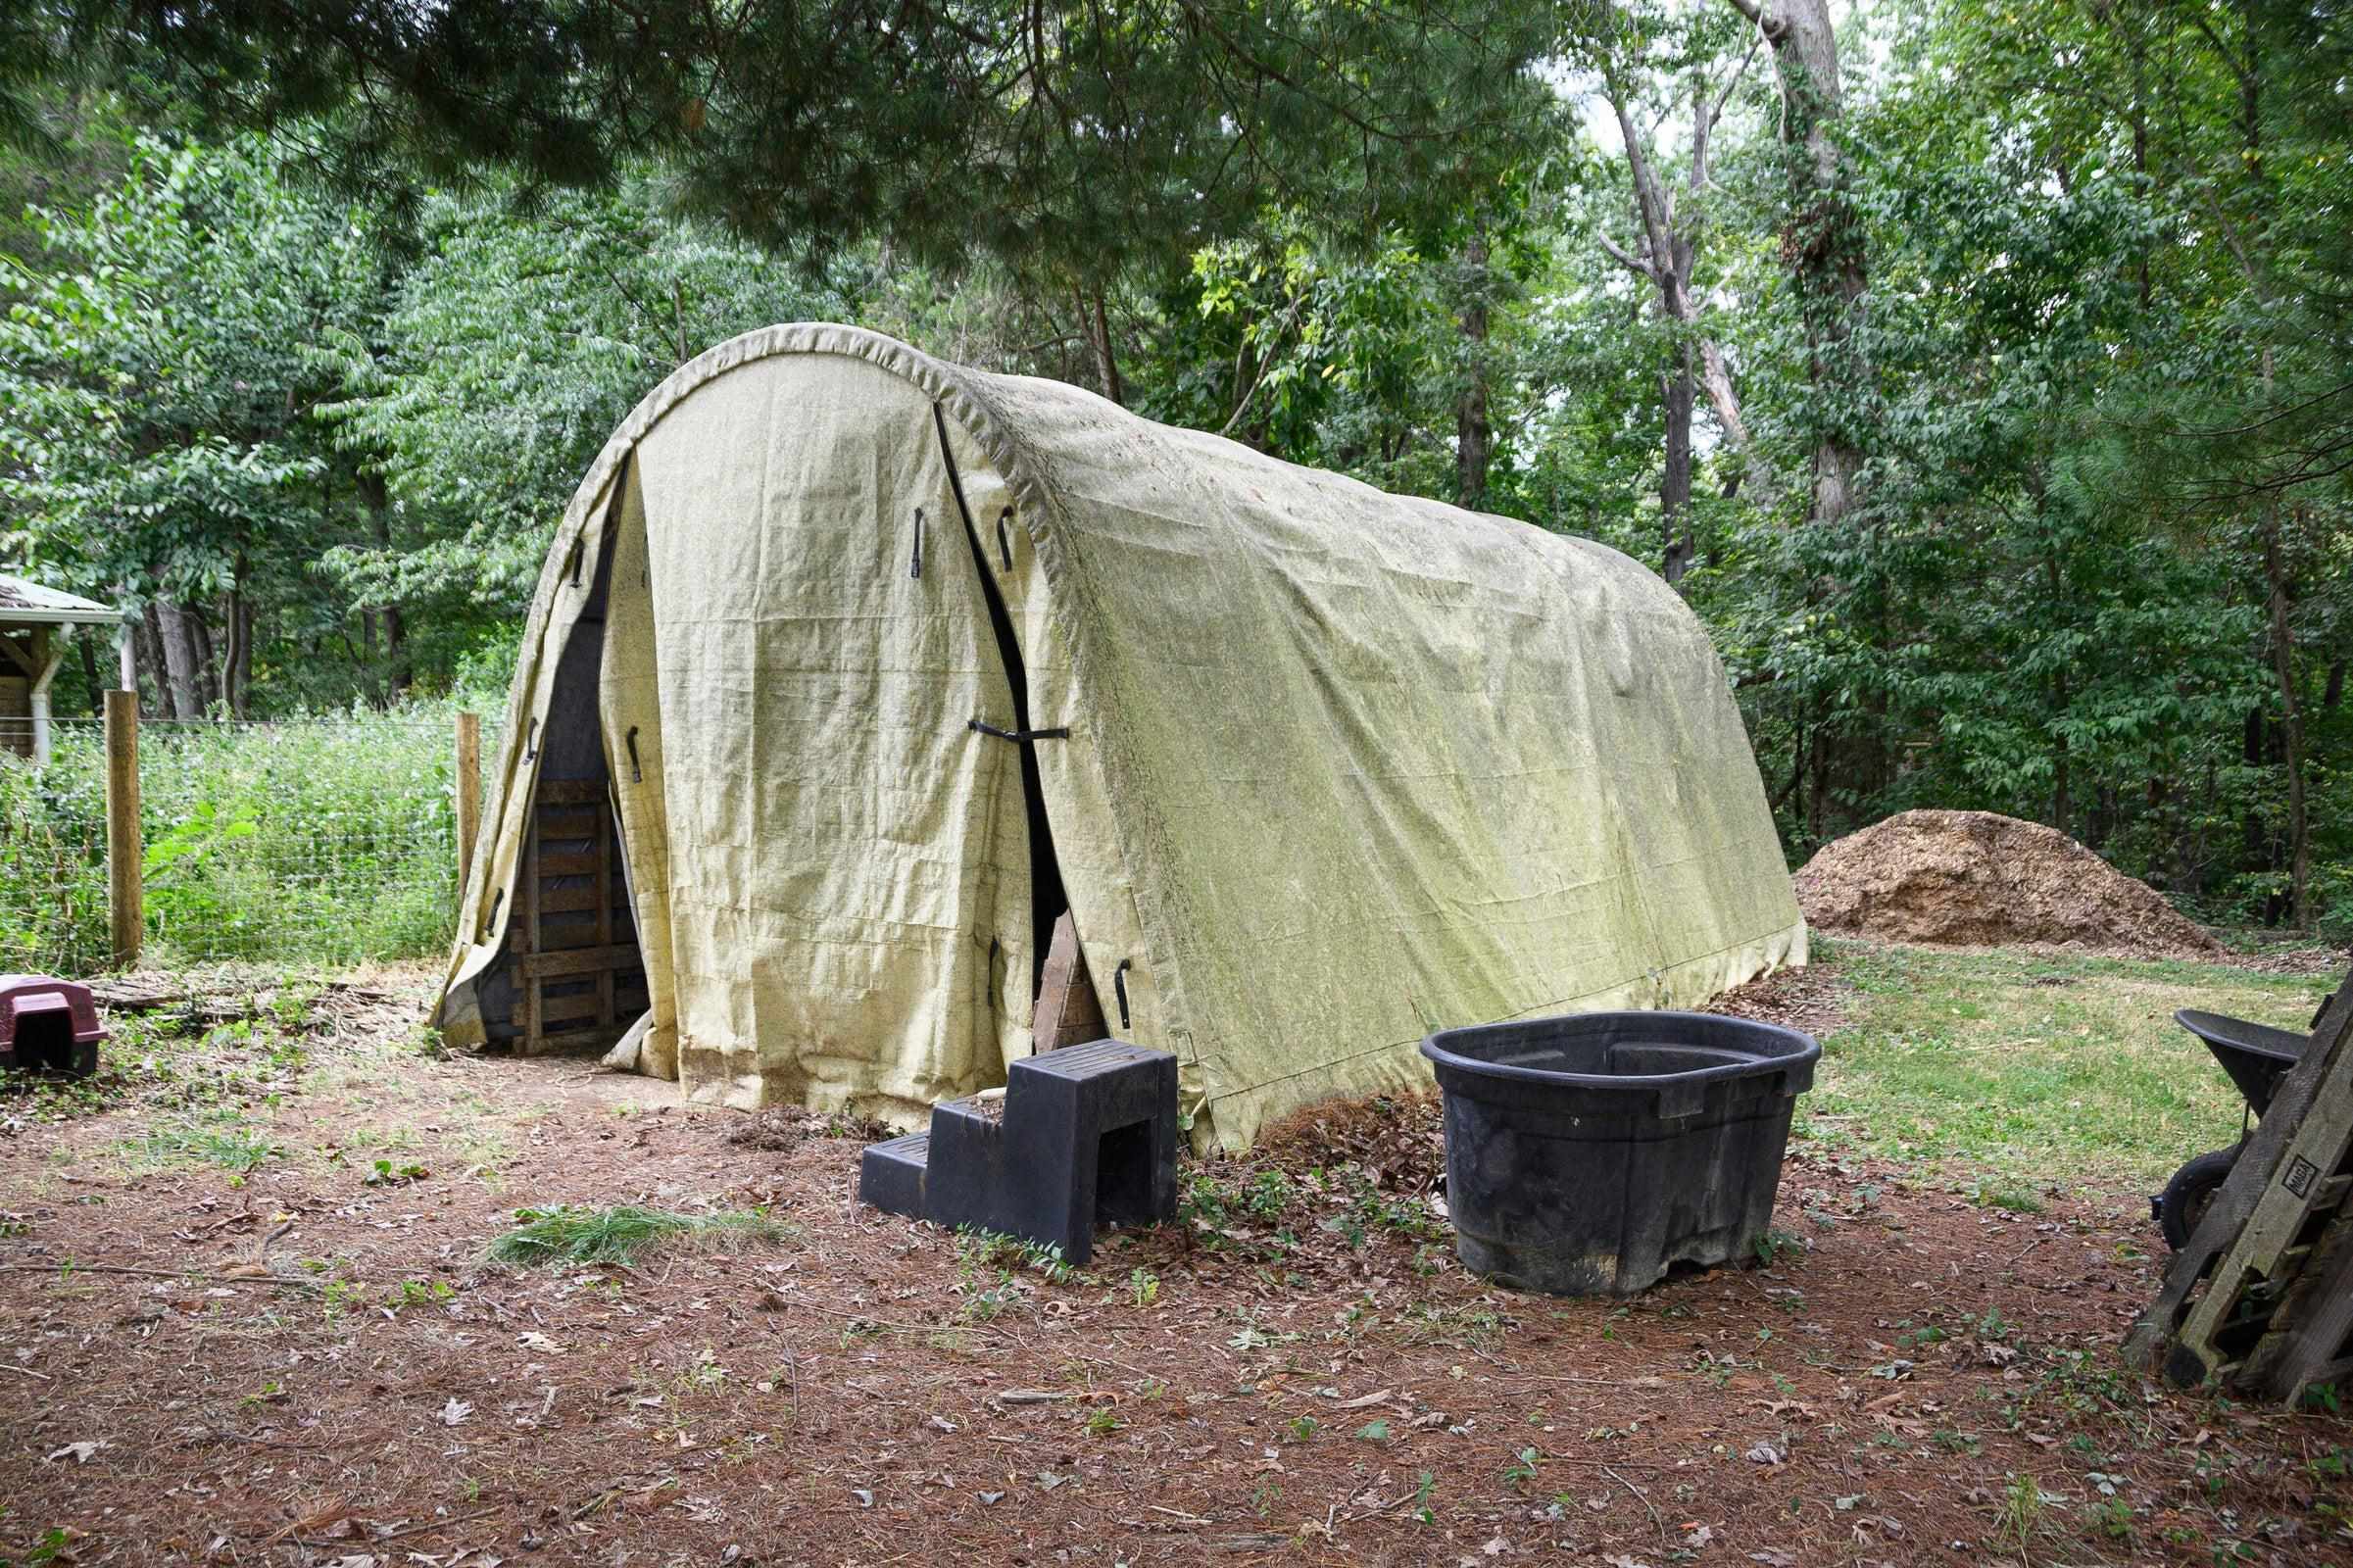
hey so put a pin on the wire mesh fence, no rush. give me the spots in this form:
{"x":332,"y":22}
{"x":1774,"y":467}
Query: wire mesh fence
{"x":328,"y":839}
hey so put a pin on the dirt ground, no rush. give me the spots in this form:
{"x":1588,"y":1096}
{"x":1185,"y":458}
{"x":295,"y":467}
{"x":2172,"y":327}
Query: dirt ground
{"x":307,"y":1362}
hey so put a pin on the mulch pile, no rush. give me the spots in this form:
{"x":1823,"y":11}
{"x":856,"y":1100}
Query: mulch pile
{"x":1978,"y":879}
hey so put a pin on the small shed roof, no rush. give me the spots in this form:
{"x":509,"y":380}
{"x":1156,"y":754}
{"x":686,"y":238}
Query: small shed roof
{"x":23,"y":601}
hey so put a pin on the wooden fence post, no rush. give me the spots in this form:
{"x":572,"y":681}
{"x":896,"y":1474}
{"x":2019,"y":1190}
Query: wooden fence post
{"x":125,"y":918}
{"x":470,"y":793}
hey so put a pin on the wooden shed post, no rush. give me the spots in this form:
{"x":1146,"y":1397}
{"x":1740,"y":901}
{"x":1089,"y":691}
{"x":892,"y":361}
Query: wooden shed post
{"x":127,"y":919}
{"x":470,"y":793}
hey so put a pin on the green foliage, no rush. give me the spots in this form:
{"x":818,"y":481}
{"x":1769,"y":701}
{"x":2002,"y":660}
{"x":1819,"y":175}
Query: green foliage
{"x":512,"y":345}
{"x":566,"y":1234}
{"x":326,"y":840}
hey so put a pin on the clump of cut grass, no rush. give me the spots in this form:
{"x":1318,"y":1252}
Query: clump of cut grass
{"x":566,"y":1234}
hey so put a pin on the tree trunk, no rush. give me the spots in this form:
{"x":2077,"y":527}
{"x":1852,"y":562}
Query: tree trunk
{"x":182,"y":661}
{"x":244,"y":652}
{"x":1473,"y":436}
{"x":2292,"y":719}
{"x":1822,"y":239}
{"x":378,"y":500}
{"x":1098,"y":323}
{"x":1666,"y":255}
{"x":1674,"y":483}
{"x":88,"y":642}
{"x":201,"y":655}
{"x":146,"y":636}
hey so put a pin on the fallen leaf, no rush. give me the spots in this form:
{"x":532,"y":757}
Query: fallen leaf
{"x":456,"y":1411}
{"x":81,"y":1451}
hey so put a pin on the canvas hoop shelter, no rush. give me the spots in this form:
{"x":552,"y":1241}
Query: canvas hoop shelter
{"x":850,"y":671}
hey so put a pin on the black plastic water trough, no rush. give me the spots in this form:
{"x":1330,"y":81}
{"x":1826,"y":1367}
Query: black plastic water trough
{"x":1588,"y":1155}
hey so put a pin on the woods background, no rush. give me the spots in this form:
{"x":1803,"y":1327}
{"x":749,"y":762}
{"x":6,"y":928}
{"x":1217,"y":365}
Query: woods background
{"x":1979,"y":372}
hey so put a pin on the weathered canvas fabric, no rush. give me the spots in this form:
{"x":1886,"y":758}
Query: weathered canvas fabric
{"x":1340,"y":767}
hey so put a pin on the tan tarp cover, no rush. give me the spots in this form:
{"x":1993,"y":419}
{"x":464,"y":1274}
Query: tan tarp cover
{"x":1342,"y":766}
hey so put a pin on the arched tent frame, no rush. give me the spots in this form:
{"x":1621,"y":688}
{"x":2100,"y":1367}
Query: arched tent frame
{"x":1457,"y":581}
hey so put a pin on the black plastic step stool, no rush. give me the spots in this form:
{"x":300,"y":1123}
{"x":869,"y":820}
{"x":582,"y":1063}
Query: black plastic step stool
{"x":1089,"y":1138}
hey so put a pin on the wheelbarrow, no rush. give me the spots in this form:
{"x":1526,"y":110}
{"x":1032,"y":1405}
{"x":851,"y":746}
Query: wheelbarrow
{"x":2256,"y":1056}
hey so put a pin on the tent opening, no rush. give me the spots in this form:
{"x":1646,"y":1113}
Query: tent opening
{"x":570,"y":975}
{"x":1048,"y":900}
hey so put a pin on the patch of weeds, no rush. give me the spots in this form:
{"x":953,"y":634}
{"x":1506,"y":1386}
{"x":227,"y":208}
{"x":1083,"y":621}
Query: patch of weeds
{"x":985,"y":1304}
{"x":703,"y":1373}
{"x":1268,"y":1193}
{"x":566,"y":1234}
{"x":1101,"y":1422}
{"x":387,"y":1174}
{"x":977,"y":1248}
{"x":2018,"y":1518}
{"x":2111,"y":1515}
{"x":1522,"y":1469}
{"x":1774,"y":1241}
{"x":1373,"y":1432}
{"x":418,"y":1292}
{"x":221,"y":1139}
{"x":1302,"y":1427}
{"x":1467,"y":1327}
{"x":2014,"y":1197}
{"x":1144,"y":1286}
{"x":1912,"y":1339}
{"x":47,"y":1547}
{"x":1422,"y":1493}
{"x":423,"y":1040}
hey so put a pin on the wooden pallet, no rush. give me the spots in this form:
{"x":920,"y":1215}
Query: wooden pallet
{"x":577,"y":988}
{"x":2262,"y":1295}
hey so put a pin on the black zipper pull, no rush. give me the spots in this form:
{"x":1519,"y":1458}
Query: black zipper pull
{"x":1119,"y":988}
{"x":914,"y":567}
{"x":637,"y":774}
{"x":1004,"y":544}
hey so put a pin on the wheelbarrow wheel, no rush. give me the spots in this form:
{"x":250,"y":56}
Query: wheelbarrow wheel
{"x":2190,"y":1192}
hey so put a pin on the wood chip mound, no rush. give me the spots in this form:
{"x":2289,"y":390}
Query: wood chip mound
{"x":1976,"y":879}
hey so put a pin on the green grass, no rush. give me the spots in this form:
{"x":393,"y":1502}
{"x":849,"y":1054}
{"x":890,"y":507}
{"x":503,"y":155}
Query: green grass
{"x":2025,"y":1069}
{"x":325,"y":839}
{"x":221,"y":1139}
{"x":569,"y":1235}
